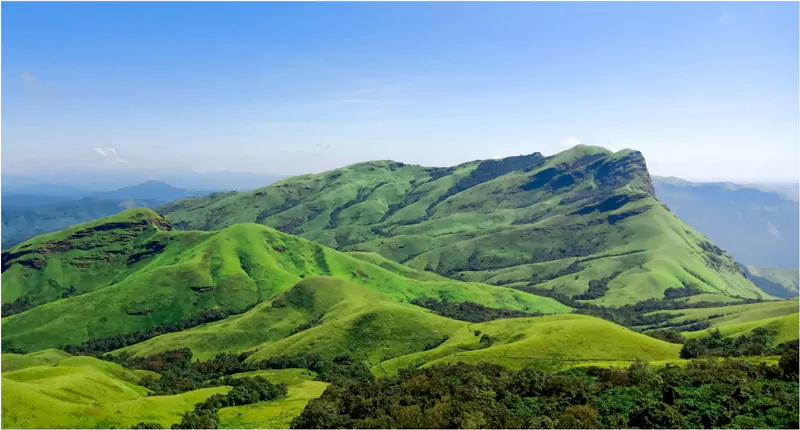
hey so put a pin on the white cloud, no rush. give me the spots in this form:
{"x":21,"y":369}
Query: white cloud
{"x":569,"y":142}
{"x":110,"y":155}
{"x":722,"y":19}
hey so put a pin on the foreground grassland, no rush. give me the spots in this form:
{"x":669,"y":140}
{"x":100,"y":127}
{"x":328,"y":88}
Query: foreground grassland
{"x":557,"y":222}
{"x":84,"y":392}
{"x":51,"y":389}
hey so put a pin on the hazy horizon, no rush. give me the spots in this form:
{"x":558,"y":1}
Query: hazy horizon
{"x":706,"y":91}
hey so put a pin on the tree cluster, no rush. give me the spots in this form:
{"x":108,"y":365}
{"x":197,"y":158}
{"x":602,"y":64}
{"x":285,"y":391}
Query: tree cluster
{"x":726,"y":393}
{"x":469,"y":311}
{"x":102,"y":345}
{"x":760,"y":341}
{"x":634,"y":314}
{"x":21,"y":304}
{"x":245,"y":391}
{"x":178,"y":373}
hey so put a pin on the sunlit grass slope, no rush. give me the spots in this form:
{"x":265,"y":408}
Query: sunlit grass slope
{"x":555,"y":222}
{"x":276,"y":413}
{"x":738,"y":319}
{"x":84,"y":392}
{"x":550,"y":342}
{"x":388,"y":336}
{"x":231,"y":269}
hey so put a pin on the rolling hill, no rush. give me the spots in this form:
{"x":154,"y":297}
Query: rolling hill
{"x":29,"y":214}
{"x":557,"y":222}
{"x":132,"y":271}
{"x":388,"y":336}
{"x":51,"y":389}
{"x":736,"y":319}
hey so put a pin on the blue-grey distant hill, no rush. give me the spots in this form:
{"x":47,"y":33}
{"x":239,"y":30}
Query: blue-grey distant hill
{"x":759,"y":228}
{"x":36,"y":209}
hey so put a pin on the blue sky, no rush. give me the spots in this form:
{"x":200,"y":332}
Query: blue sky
{"x":705,"y":90}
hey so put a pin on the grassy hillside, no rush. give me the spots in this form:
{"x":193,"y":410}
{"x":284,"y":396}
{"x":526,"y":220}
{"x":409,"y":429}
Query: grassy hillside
{"x":22,"y":221}
{"x":757,"y":227}
{"x":550,"y":342}
{"x":388,"y":336}
{"x":737,"y":319}
{"x":277,"y":414}
{"x":133,"y":273}
{"x":557,"y":222}
{"x":56,"y":390}
{"x":84,"y":392}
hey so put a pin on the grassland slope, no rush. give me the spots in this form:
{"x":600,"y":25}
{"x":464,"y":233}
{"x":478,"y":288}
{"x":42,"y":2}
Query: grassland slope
{"x":189,"y":273}
{"x":84,"y":392}
{"x":558,"y":222}
{"x":348,"y":319}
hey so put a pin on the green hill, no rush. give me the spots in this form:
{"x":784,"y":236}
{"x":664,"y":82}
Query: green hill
{"x":62,"y":391}
{"x":557,"y":222}
{"x":84,"y":392}
{"x":736,"y":319}
{"x":133,"y":272}
{"x":384,"y":334}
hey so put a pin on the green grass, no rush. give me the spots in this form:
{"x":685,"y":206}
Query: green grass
{"x":494,"y":222}
{"x":276,"y":413}
{"x":51,"y":389}
{"x":84,"y":392}
{"x":551,"y":342}
{"x":387,"y":335}
{"x":738,"y":319}
{"x":244,"y":264}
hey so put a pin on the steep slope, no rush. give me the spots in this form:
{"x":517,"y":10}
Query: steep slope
{"x":134,"y":273}
{"x":757,"y":227}
{"x":331,"y":317}
{"x":557,"y":222}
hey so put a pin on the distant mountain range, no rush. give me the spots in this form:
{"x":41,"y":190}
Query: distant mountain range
{"x":759,"y":228}
{"x":42,"y":208}
{"x":81,"y":183}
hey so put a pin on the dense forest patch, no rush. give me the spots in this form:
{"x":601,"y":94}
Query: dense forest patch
{"x":703,"y":394}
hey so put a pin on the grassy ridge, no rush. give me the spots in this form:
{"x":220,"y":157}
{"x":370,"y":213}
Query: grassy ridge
{"x":737,"y":319}
{"x":556,"y":222}
{"x":234,"y":268}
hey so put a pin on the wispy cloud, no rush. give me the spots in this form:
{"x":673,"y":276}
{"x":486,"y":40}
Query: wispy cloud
{"x":569,"y":142}
{"x":723,"y":18}
{"x":354,"y":101}
{"x":29,"y":78}
{"x":111,"y":155}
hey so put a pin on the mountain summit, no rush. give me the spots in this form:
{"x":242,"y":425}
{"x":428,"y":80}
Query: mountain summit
{"x":584,"y":222}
